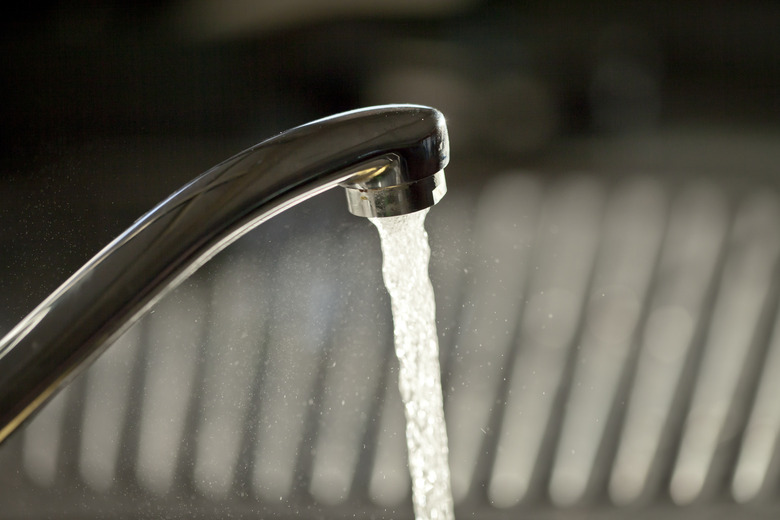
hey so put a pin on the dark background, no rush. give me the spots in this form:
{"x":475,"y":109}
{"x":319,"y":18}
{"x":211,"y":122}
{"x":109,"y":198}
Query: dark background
{"x":107,"y":107}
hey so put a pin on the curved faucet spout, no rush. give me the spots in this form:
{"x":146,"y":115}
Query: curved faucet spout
{"x":390,"y":160}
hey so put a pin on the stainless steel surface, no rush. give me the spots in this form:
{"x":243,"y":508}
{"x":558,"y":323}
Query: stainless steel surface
{"x":100,"y":301}
{"x":382,"y":189}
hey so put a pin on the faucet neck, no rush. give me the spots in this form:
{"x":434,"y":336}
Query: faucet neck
{"x":58,"y":339}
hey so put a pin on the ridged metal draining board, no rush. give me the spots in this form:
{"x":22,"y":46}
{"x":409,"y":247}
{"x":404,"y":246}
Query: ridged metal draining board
{"x":609,"y":350}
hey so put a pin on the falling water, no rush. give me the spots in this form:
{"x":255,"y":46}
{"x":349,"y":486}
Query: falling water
{"x":405,"y":271}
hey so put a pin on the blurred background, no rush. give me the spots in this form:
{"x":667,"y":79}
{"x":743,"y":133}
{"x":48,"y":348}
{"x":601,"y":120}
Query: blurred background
{"x":109,"y":107}
{"x":584,"y":115}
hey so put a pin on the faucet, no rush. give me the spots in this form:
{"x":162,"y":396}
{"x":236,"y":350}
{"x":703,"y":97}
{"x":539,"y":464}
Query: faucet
{"x":389,"y":159}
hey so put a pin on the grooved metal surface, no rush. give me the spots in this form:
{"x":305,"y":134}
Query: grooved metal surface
{"x":609,"y":350}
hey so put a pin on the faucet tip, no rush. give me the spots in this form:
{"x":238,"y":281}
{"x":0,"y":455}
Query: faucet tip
{"x":405,"y":180}
{"x":398,"y":199}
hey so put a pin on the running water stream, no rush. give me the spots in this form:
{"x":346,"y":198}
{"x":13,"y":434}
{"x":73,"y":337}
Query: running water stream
{"x":405,"y":271}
